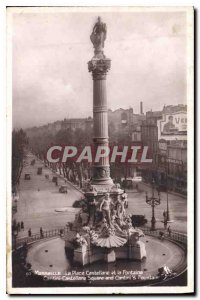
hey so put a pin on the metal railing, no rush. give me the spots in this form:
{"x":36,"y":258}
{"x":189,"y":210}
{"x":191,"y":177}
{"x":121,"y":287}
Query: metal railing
{"x":174,"y":236}
{"x":39,"y":236}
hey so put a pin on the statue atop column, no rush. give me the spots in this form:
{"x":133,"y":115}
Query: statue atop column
{"x":103,"y":223}
{"x":98,"y":37}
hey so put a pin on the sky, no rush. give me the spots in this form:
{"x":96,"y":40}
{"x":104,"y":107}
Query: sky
{"x":50,"y":52}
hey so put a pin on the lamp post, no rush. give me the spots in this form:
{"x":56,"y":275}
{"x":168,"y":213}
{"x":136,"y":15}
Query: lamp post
{"x":167,"y":173}
{"x":153,"y":202}
{"x":167,"y":215}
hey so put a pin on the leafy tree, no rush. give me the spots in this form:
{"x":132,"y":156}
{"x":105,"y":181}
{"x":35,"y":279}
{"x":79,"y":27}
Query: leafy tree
{"x":65,"y":137}
{"x":79,"y":137}
{"x":19,"y":144}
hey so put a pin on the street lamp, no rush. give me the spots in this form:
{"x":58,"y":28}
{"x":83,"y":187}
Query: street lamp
{"x":167,"y":214}
{"x":167,"y":175}
{"x":153,"y":202}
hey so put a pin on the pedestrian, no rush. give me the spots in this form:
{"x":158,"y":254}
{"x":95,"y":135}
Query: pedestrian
{"x":165,"y":223}
{"x":15,"y":223}
{"x":18,"y":227}
{"x":70,"y":225}
{"x":161,"y":233}
{"x":29,"y":232}
{"x":169,"y":231}
{"x":41,"y":232}
{"x":14,"y":226}
{"x":22,"y":225}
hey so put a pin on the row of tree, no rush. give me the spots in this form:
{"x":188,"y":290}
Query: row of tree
{"x":40,"y":143}
{"x":19,"y":146}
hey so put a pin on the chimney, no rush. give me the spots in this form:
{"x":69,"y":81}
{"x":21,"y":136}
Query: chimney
{"x":141,"y":108}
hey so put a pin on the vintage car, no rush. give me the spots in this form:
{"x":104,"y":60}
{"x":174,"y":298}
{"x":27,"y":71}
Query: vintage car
{"x":39,"y":171}
{"x":27,"y":177}
{"x":162,"y":188}
{"x":127,"y":183}
{"x":32,"y":162}
{"x":131,"y":182}
{"x":138,"y":220}
{"x":55,"y":179}
{"x":63,"y":189}
{"x":137,"y":179}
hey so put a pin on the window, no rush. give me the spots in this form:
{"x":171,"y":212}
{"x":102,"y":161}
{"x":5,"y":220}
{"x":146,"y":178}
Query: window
{"x":135,"y":136}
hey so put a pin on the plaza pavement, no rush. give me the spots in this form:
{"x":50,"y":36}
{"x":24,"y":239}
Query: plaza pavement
{"x":177,"y":208}
{"x":39,"y":198}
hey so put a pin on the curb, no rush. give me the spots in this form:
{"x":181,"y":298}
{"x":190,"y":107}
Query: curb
{"x":62,"y":177}
{"x":169,"y":192}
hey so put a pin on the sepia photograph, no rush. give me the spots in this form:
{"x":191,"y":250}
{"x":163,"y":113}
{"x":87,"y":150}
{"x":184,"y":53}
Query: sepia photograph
{"x":100,"y":187}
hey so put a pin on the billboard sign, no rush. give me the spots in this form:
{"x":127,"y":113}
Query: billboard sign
{"x":173,"y":126}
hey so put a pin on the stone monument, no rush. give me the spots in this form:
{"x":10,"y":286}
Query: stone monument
{"x":102,"y":229}
{"x":99,"y":65}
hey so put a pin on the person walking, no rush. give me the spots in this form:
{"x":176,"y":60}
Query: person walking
{"x":15,"y":223}
{"x":165,"y":223}
{"x":18,"y":227}
{"x":29,"y":232}
{"x":165,"y":219}
{"x":22,"y":225}
{"x":169,"y":231}
{"x":161,"y":233}
{"x":41,"y":232}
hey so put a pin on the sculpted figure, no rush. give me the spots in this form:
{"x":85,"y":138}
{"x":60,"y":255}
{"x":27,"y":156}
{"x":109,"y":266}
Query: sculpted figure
{"x":106,"y":230}
{"x":92,"y":209}
{"x":105,"y":207}
{"x":80,"y":240}
{"x":98,"y":35}
{"x":121,"y":204}
{"x":92,"y":189}
{"x":83,"y":216}
{"x":116,"y":226}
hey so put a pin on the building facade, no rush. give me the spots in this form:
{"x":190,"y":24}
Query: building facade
{"x":165,"y":132}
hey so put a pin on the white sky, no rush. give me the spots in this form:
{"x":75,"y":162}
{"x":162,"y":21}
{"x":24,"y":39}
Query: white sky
{"x":50,"y":54}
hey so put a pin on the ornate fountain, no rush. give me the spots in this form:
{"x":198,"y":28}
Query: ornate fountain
{"x":102,"y":229}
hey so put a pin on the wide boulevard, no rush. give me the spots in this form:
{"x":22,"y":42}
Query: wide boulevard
{"x":41,"y":205}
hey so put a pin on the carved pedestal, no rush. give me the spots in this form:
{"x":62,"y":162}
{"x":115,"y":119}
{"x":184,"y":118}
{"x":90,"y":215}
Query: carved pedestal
{"x":87,"y":255}
{"x":137,"y":251}
{"x":110,"y":256}
{"x":81,"y":255}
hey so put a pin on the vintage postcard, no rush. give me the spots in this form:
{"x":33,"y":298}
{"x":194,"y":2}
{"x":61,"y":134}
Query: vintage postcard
{"x":100,"y":182}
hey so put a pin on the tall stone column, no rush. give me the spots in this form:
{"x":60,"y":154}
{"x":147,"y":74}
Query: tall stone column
{"x":99,"y":66}
{"x":99,"y":69}
{"x":105,"y":202}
